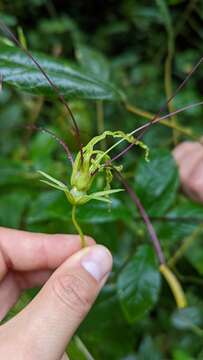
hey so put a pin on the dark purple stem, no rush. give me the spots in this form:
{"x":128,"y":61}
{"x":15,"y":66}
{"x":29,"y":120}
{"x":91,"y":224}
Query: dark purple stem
{"x":146,"y":127}
{"x":144,"y":216}
{"x":182,"y":84}
{"x":60,"y":141}
{"x":9,"y":33}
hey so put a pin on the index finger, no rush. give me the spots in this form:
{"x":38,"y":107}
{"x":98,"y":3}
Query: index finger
{"x":26,"y":251}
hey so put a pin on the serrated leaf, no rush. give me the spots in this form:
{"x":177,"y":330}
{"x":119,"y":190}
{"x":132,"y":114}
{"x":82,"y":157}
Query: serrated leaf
{"x":139,"y":284}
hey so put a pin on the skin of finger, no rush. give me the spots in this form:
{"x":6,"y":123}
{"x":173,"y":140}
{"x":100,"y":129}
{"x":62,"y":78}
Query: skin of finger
{"x":189,"y":162}
{"x":24,"y":251}
{"x":182,"y":150}
{"x":195,"y":183}
{"x":189,"y":157}
{"x":13,"y":284}
{"x":44,"y":313}
{"x":65,"y":357}
{"x":189,"y":165}
{"x":9,"y":293}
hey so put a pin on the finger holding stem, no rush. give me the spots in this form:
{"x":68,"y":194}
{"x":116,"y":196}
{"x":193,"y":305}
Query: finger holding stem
{"x":78,"y":228}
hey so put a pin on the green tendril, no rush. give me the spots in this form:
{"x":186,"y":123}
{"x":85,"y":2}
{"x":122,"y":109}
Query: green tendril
{"x":78,"y":228}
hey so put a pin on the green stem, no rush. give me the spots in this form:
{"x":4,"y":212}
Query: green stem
{"x":168,"y":84}
{"x":78,"y":228}
{"x":100,"y":122}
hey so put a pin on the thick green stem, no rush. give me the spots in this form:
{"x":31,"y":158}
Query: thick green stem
{"x":78,"y":228}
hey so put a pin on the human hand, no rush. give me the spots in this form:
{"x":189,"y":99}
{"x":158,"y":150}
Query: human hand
{"x":189,"y":157}
{"x":42,"y":330}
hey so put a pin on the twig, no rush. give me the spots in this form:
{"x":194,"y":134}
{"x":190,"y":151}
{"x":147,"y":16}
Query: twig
{"x":78,"y":228}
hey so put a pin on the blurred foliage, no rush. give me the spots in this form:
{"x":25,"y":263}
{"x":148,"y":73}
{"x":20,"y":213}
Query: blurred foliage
{"x":103,"y":56}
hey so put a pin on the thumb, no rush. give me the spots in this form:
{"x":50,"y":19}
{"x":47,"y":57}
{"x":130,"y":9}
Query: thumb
{"x":48,"y":323}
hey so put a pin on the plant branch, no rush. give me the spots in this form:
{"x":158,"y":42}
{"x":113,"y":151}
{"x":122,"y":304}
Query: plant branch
{"x":146,"y":126}
{"x":60,"y":141}
{"x":169,"y":276}
{"x":61,"y":98}
{"x":77,"y":226}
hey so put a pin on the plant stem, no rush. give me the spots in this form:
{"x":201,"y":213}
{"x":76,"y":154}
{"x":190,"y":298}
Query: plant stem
{"x":145,"y":127}
{"x":175,"y":286}
{"x":150,"y":116}
{"x":78,"y":228}
{"x":100,"y":121}
{"x":169,"y":276}
{"x":145,"y":218}
{"x":168,"y":77}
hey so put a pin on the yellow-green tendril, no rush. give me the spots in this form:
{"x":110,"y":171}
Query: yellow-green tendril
{"x":174,"y":285}
{"x":78,"y":228}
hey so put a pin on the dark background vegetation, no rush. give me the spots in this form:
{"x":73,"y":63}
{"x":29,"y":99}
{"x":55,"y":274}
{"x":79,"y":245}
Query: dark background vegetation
{"x":133,"y":51}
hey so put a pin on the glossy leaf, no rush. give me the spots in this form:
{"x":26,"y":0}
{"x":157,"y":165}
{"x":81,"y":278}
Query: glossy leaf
{"x":93,"y":62}
{"x":139,"y":284}
{"x":18,"y":70}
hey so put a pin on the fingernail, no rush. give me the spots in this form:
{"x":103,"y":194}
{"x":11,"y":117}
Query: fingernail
{"x":97,"y":262}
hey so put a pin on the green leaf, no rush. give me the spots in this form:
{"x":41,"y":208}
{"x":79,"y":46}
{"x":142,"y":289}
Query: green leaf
{"x":12,"y":206}
{"x":139,"y":284}
{"x":195,"y":254}
{"x":53,"y":205}
{"x":78,"y":350}
{"x":156,"y":182}
{"x":13,"y":172}
{"x":181,"y":221}
{"x":23,"y":301}
{"x":148,"y":350}
{"x":93,"y":62}
{"x":185,"y":319}
{"x":180,"y":354}
{"x":18,"y":70}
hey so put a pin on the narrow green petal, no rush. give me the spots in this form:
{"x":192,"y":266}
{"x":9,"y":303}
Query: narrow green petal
{"x":59,"y":183}
{"x":53,"y":185}
{"x":106,"y":192}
